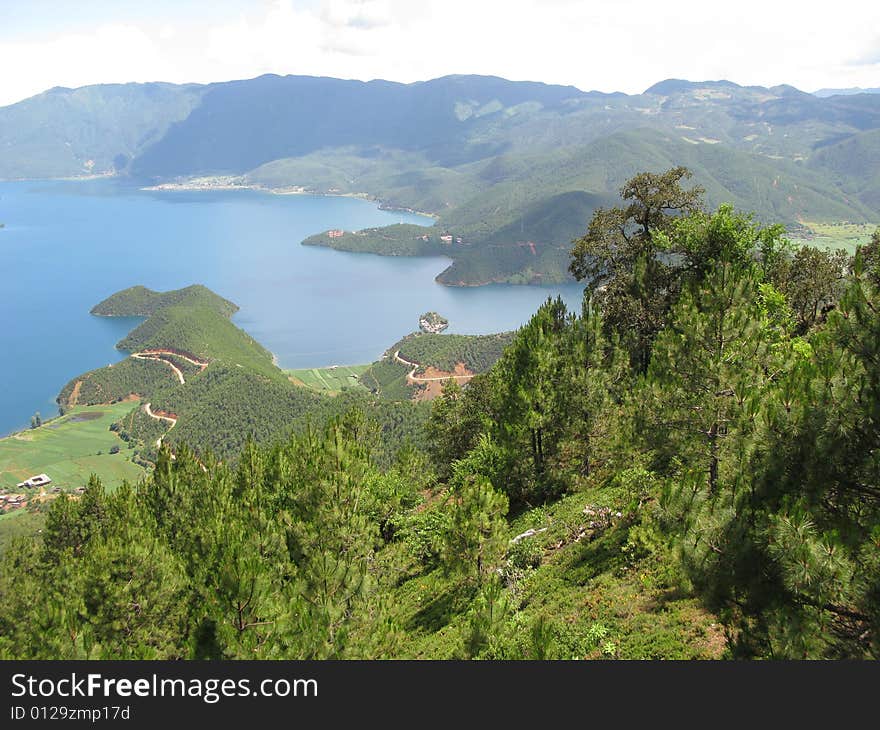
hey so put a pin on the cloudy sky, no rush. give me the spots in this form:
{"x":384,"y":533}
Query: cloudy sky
{"x":621,"y":45}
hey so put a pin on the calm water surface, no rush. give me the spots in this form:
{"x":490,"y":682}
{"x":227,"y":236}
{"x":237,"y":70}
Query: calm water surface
{"x":67,"y":245}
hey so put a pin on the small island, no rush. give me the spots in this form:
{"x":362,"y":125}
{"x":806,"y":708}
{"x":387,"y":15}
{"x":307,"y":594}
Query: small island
{"x":432,"y":323}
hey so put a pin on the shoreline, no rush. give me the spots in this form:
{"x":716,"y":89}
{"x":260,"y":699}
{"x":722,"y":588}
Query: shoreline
{"x":236,"y":183}
{"x":228,"y":183}
{"x":63,"y":178}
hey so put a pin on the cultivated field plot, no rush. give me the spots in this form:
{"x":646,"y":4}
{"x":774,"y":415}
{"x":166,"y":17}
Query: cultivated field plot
{"x":836,"y":235}
{"x":329,"y":380}
{"x":67,"y":449}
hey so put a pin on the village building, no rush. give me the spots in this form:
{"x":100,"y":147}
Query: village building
{"x":10,"y":502}
{"x":40,"y":480}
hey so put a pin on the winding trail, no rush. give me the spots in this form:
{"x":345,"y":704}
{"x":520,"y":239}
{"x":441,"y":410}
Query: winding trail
{"x":169,"y":419}
{"x":156,"y":355}
{"x":411,"y":376}
{"x":177,"y":371}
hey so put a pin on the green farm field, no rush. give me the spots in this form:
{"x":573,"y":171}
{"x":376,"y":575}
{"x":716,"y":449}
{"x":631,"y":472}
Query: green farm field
{"x":66,"y":449}
{"x":330,"y":380}
{"x":836,"y":235}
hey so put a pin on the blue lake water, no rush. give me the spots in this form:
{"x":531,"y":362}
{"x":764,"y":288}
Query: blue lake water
{"x":67,"y":245}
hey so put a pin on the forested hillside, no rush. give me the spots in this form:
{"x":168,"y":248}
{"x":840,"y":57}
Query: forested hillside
{"x":512,"y":169}
{"x":685,"y":468}
{"x":138,"y":301}
{"x":477,"y":353}
{"x":91,"y":130}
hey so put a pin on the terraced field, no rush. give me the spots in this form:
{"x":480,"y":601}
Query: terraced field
{"x":329,"y":380}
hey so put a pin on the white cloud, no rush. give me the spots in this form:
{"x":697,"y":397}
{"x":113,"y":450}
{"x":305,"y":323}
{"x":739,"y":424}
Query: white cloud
{"x":360,"y":14}
{"x":626,"y":45}
{"x":868,"y":55}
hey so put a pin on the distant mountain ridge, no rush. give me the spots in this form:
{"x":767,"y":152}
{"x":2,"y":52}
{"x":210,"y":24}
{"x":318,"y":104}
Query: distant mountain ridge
{"x":512,"y":169}
{"x":822,"y":93}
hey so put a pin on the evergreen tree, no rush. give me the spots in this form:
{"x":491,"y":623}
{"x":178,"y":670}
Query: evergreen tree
{"x":476,"y":538}
{"x":623,"y":257}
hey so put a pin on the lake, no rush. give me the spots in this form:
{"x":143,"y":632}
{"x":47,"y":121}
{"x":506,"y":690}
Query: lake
{"x":67,"y":245}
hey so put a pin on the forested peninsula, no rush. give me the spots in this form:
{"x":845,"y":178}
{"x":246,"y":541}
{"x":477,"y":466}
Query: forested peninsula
{"x":191,"y":368}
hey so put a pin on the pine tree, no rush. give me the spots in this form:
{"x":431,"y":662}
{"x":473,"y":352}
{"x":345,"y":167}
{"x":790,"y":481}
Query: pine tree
{"x":622,"y":257}
{"x":476,"y":538}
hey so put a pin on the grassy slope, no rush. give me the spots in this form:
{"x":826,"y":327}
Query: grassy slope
{"x":854,"y":164}
{"x":117,"y":381}
{"x":600,"y":598}
{"x":66,"y":449}
{"x":201,"y":331}
{"x":386,"y":378}
{"x":399,"y":178}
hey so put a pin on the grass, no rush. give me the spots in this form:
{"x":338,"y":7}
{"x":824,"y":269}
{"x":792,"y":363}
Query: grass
{"x":835,"y":235}
{"x":601,"y":594}
{"x":330,"y":380}
{"x":67,"y":449}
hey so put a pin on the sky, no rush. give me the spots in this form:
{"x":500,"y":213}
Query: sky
{"x":618,"y":45}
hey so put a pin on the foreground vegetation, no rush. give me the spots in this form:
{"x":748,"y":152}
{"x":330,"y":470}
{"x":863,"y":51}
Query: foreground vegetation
{"x":684,"y":468}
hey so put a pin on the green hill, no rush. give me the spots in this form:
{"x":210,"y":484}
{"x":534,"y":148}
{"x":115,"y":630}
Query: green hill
{"x":138,"y":301}
{"x":387,"y":377}
{"x":444,"y":351}
{"x":200,"y":331}
{"x":518,"y":226}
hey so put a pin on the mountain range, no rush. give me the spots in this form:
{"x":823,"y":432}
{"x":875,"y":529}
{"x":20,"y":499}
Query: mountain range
{"x":512,"y":170}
